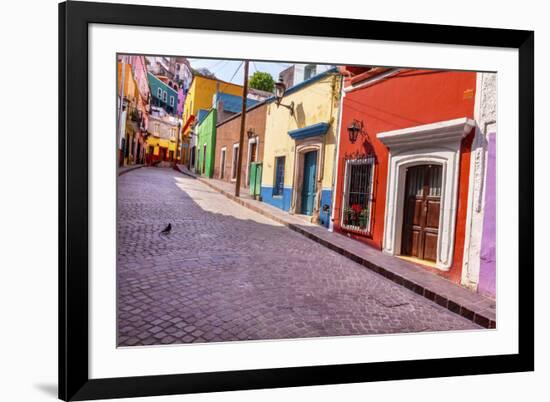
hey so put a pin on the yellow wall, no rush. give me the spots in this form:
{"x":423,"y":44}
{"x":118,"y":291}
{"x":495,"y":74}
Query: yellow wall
{"x":201,"y":92}
{"x":130,"y":86}
{"x":158,"y":143}
{"x":315,"y":103}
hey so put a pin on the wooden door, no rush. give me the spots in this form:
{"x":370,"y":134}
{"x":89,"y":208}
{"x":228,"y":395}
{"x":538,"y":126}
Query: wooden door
{"x":421,"y":212}
{"x":222,"y":171}
{"x":308,"y":184}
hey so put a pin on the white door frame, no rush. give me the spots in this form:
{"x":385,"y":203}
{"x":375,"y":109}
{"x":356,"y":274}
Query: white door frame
{"x":436,"y":143}
{"x":253,"y":140}
{"x":303,"y":147}
{"x":223,"y":161}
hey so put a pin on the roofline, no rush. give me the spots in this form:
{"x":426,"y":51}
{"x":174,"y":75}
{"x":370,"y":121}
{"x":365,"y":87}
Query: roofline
{"x":373,"y":80}
{"x":291,"y":90}
{"x":164,"y":83}
{"x":309,"y":81}
{"x":205,"y":116}
{"x":212,"y":79}
{"x":249,"y":109}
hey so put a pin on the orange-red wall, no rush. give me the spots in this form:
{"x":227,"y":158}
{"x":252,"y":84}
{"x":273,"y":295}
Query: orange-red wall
{"x":411,"y":98}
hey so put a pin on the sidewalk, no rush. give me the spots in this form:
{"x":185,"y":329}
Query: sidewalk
{"x":457,"y":299}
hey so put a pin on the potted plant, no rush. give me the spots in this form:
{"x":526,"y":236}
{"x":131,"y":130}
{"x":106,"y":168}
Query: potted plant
{"x":356,"y":211}
{"x":347,"y":216}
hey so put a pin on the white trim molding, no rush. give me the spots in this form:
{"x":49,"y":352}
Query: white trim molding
{"x":303,"y":147}
{"x":234,"y":160}
{"x":223,"y":161}
{"x":485,"y":114}
{"x":253,"y":140}
{"x":436,"y":143}
{"x":373,"y":80}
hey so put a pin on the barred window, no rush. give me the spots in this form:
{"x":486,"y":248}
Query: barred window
{"x":357,"y":203}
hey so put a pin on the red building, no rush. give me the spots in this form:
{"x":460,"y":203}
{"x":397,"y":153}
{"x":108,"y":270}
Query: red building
{"x":404,"y":162}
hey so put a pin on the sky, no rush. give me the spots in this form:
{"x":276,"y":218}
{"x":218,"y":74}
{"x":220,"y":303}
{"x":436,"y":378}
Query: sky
{"x":232,"y":70}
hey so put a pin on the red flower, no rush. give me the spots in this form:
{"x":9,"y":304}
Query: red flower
{"x":356,"y":208}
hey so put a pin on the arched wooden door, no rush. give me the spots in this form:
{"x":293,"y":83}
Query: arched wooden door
{"x":421,"y":212}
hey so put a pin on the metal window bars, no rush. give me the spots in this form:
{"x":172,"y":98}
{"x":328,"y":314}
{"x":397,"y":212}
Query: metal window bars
{"x":358,"y":191}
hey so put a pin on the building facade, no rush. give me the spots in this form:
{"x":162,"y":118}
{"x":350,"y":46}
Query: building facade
{"x":206,"y":144}
{"x":404,"y":163}
{"x":200,"y":96}
{"x":479,"y":262}
{"x":298,"y":73}
{"x":162,"y":139}
{"x":128,"y":100}
{"x":300,"y":146}
{"x":227,"y":144}
{"x":141,"y":114}
{"x":163,"y":95}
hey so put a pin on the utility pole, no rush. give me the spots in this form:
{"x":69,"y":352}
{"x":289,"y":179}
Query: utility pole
{"x":175,"y":165}
{"x":241,"y":137}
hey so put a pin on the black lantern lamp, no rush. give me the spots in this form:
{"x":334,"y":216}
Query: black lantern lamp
{"x":355,"y":128}
{"x":279,"y":92}
{"x":280,"y":89}
{"x":251,"y":133}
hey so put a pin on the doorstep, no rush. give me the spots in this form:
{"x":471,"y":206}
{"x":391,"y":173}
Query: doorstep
{"x":479,"y":309}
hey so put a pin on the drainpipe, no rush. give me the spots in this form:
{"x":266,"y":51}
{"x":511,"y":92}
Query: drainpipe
{"x":336,"y":154}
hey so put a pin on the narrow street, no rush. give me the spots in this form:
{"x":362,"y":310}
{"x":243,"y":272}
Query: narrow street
{"x":227,"y":273}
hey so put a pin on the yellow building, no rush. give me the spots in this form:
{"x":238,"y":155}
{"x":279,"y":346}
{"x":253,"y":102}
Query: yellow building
{"x":199,"y":97}
{"x":128,"y":127}
{"x":162,"y":142}
{"x":300,"y":147}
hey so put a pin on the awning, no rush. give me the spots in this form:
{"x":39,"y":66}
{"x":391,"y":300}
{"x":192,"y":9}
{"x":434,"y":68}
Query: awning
{"x":309,"y":131}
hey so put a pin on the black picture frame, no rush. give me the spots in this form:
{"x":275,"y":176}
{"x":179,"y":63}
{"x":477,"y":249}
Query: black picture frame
{"x":74,"y":18}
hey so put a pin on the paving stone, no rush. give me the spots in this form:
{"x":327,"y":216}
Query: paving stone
{"x":227,"y":273}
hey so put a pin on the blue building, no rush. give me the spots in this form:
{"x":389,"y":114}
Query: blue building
{"x":163,"y":95}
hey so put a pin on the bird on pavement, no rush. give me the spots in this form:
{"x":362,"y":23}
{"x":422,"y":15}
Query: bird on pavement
{"x":167,"y":229}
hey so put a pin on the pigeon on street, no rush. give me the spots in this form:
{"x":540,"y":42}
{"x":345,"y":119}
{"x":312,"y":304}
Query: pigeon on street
{"x":167,"y":229}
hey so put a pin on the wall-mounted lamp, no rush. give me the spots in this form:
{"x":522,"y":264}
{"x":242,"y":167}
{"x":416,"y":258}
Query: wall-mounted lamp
{"x":355,"y":128}
{"x":279,"y":92}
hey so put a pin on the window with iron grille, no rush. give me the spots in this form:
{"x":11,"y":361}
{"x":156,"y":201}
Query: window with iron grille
{"x":278,"y":188}
{"x":357,"y":205}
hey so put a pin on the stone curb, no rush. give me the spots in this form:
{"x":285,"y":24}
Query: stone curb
{"x":129,"y":169}
{"x":478,"y":317}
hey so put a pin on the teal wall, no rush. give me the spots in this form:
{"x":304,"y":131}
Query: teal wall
{"x":207,"y":135}
{"x":154,"y":85}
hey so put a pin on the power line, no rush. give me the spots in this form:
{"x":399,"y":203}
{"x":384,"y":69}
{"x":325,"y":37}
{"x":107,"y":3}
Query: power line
{"x":235,"y":73}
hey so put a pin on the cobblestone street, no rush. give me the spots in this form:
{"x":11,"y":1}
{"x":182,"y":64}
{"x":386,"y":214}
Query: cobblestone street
{"x":227,"y":273}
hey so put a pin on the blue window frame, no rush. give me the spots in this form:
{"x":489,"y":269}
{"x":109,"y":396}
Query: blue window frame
{"x":279,"y":176}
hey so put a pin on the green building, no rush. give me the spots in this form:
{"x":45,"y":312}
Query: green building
{"x":206,"y":144}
